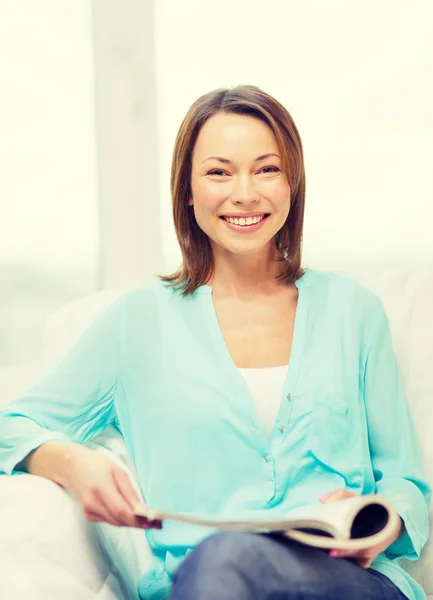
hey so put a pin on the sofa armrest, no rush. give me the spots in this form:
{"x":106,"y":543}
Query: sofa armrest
{"x":49,"y":550}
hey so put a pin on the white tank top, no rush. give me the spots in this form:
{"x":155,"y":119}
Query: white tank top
{"x":266,"y":386}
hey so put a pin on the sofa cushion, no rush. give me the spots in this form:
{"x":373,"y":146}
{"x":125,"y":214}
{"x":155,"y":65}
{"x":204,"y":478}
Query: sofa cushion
{"x":56,"y":553}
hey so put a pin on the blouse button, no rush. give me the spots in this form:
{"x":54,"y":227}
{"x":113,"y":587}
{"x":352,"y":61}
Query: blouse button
{"x":281,"y":428}
{"x":267,"y":458}
{"x":288,"y":396}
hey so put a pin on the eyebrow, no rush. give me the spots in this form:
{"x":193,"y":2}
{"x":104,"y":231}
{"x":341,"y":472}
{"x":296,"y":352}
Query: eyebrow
{"x":226,"y":161}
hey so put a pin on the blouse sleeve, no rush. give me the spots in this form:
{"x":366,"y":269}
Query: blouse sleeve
{"x":74,"y":401}
{"x":394,"y":448}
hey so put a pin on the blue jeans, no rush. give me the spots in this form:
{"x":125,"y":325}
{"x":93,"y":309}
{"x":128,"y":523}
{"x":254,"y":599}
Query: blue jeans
{"x":245,"y":566}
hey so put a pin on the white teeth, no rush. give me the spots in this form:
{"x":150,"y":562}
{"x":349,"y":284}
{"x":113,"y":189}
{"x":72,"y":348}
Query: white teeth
{"x":244,"y":222}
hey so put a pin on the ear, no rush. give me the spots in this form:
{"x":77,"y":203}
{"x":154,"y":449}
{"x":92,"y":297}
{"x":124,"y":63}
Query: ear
{"x":191,"y":202}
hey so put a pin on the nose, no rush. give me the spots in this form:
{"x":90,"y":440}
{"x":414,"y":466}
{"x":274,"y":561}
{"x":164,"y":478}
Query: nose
{"x":244,"y":192}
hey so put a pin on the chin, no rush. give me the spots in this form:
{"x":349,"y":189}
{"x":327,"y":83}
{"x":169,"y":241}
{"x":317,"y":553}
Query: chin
{"x":244,"y":249}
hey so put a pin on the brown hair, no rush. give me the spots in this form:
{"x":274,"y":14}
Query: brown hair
{"x":197,"y":264}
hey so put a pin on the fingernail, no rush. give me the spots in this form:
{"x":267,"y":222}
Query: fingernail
{"x":334,"y":553}
{"x":323,"y":496}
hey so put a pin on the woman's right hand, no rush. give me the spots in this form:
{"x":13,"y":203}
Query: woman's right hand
{"x":104,"y":490}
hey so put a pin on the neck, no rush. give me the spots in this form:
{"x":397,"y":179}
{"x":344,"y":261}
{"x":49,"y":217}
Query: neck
{"x":237,"y":275}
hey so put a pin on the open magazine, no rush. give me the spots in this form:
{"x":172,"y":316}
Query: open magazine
{"x":354,"y":523}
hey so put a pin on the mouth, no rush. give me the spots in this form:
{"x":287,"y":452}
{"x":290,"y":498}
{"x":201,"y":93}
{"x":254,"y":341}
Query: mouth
{"x":245,"y":222}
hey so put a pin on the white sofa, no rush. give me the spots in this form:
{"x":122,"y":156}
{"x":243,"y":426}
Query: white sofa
{"x":49,"y":551}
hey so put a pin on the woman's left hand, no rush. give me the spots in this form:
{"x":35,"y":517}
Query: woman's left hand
{"x":363,"y":558}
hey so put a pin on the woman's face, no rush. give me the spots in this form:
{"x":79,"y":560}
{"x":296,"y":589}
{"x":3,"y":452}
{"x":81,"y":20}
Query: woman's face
{"x":240,"y":195}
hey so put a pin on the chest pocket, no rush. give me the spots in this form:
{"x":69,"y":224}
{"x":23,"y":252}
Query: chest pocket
{"x":334,"y":440}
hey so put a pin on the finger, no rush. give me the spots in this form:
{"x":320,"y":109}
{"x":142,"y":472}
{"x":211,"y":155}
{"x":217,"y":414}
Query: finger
{"x":334,"y":553}
{"x":362,"y":563}
{"x":127,"y":492}
{"x":358,"y":555}
{"x":125,"y":488}
{"x":348,"y":553}
{"x":101,"y":517}
{"x":335,"y":495}
{"x":331,"y":496}
{"x":115,"y":507}
{"x":94,"y":507}
{"x":365,"y":563}
{"x":120,"y":514}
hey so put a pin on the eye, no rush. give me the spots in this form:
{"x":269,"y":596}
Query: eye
{"x":217,"y":172}
{"x":275,"y":169}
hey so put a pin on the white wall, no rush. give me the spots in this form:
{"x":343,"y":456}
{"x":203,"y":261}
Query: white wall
{"x":49,"y":221}
{"x":357,"y":79}
{"x":48,"y":182}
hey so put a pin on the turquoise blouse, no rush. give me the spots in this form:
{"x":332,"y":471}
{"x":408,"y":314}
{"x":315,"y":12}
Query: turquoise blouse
{"x":156,"y":365}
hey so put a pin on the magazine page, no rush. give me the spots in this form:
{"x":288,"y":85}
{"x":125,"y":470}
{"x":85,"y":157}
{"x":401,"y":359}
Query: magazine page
{"x":336,"y":518}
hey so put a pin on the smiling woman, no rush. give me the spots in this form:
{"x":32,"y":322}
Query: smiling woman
{"x":246,"y":163}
